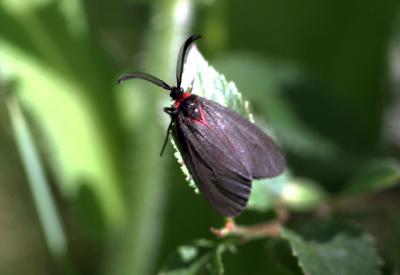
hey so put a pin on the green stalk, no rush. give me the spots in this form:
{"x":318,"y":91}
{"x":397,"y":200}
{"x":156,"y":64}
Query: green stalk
{"x":43,"y":200}
{"x":170,"y":23}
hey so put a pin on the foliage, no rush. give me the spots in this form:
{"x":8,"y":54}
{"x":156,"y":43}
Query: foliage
{"x":325,"y":248}
{"x":81,"y":182}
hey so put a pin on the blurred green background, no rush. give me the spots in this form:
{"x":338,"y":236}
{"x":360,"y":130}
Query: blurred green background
{"x":82,"y":187}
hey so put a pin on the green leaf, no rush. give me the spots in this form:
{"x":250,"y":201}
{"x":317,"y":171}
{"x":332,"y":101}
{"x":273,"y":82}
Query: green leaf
{"x":43,"y":199}
{"x":375,"y":176}
{"x":331,"y":249}
{"x":302,"y":194}
{"x":263,"y":81}
{"x":295,"y":193}
{"x":207,"y":82}
{"x":202,"y":256}
{"x":262,"y":194}
{"x":78,"y":151}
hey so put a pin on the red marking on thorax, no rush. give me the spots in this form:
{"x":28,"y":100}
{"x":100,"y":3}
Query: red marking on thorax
{"x":202,"y":119}
{"x":179,"y":101}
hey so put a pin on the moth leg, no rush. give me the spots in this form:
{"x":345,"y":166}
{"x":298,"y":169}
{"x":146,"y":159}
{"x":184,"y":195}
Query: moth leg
{"x":166,"y":137}
{"x":171,"y":111}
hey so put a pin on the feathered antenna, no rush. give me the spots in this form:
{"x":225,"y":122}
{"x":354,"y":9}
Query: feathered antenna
{"x":181,"y":58}
{"x":144,"y":76}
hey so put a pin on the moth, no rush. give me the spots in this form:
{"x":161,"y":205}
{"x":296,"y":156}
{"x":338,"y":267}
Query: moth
{"x":222,"y":150}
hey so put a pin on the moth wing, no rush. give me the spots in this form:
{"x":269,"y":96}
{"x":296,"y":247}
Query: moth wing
{"x":258,"y":151}
{"x":217,"y":171}
{"x":224,"y":153}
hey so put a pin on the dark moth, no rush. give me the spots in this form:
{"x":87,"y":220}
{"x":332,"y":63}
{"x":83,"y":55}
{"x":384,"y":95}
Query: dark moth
{"x":222,"y":150}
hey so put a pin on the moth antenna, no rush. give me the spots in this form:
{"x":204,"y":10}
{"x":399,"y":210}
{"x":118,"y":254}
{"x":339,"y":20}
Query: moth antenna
{"x":166,"y":137}
{"x":144,"y":76}
{"x":181,"y":58}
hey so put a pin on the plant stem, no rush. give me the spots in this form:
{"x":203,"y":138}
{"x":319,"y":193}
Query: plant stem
{"x":256,"y":231}
{"x":147,"y":195}
{"x":44,"y":203}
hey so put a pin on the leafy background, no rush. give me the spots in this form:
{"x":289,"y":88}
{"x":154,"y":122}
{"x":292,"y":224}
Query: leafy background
{"x":83,"y":190}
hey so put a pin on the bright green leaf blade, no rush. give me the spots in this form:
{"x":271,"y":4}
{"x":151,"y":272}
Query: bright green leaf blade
{"x":78,"y":150}
{"x":375,"y":176}
{"x":200,"y":257}
{"x":295,"y":193}
{"x":262,"y":197}
{"x":38,"y":183}
{"x":333,"y":249}
{"x":207,"y":82}
{"x":298,"y":194}
{"x":147,"y":195}
{"x":265,"y":193}
{"x":302,"y":194}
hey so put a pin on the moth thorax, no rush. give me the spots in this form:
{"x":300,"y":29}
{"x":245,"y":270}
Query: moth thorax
{"x":191,"y":108}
